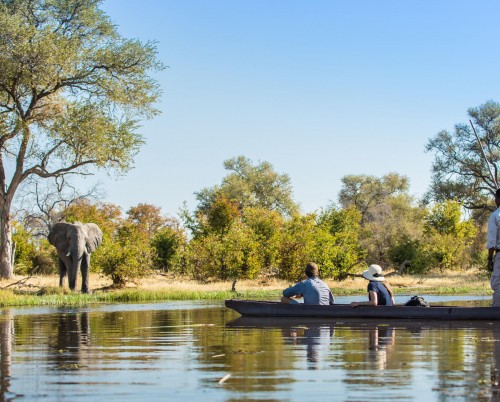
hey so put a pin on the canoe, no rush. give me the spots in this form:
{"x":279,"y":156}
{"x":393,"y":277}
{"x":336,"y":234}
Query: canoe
{"x":254,"y":308}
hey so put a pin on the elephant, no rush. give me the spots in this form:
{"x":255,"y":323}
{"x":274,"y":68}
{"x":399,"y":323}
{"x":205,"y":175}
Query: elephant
{"x":74,"y":243}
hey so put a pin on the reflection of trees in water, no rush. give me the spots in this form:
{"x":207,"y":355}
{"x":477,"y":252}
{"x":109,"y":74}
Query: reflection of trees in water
{"x":6,"y":342}
{"x":467,"y":357}
{"x":262,"y":355}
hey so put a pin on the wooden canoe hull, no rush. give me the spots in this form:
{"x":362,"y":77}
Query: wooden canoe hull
{"x":253,"y":308}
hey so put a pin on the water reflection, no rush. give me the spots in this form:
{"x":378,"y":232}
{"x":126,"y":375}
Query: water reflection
{"x":158,"y":350}
{"x":6,"y":342}
{"x":369,"y":357}
{"x":495,"y":368}
{"x":316,"y":336}
{"x":316,"y":339}
{"x":381,"y":342}
{"x":71,"y":342}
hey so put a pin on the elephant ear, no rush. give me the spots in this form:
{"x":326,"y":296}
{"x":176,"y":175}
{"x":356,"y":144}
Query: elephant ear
{"x":94,"y":237}
{"x":58,"y":238}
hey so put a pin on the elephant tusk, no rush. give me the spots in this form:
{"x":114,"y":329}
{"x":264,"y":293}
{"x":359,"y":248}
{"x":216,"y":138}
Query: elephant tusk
{"x":68,"y":254}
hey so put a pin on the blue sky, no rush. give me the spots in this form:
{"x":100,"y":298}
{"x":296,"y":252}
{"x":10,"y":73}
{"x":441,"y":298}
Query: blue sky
{"x":320,"y":89}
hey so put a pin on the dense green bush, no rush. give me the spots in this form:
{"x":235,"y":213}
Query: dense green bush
{"x":169,"y":245}
{"x":127,"y":256}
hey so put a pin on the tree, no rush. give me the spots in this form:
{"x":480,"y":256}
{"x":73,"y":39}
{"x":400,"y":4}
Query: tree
{"x":252,"y":186}
{"x":221,"y":215}
{"x":127,"y":251}
{"x":297,"y":246}
{"x":267,"y":228}
{"x":366,"y":193}
{"x":147,"y":217}
{"x":235,"y":255}
{"x":223,"y":246}
{"x":339,"y":247}
{"x":165,"y":235}
{"x":42,"y":204}
{"x":72,"y":92}
{"x":448,"y":237}
{"x":237,"y":225}
{"x":460,"y":170}
{"x":128,"y":256}
{"x":169,"y":244}
{"x":387,"y":213}
{"x":32,"y":254}
{"x":105,"y":215}
{"x":445,"y":242}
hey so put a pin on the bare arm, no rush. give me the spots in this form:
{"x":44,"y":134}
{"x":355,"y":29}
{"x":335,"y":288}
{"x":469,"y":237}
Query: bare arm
{"x":372,"y":302}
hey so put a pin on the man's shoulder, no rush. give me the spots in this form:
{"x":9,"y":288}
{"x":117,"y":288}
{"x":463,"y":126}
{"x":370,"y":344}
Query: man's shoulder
{"x":318,"y":283}
{"x":495,"y":215}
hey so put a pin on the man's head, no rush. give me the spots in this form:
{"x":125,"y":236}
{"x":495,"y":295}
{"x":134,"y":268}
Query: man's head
{"x":311,"y":270}
{"x":497,"y":198}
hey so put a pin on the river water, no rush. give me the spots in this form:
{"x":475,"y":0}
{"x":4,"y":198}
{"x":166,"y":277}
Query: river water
{"x":189,"y":351}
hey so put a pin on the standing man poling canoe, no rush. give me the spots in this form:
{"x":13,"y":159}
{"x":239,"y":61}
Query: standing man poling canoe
{"x":493,"y":246}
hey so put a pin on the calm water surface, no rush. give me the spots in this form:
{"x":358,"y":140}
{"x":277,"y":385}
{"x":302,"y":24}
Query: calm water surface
{"x":179,"y":351}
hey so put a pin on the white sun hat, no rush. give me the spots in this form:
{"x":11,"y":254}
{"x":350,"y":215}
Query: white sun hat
{"x":373,"y":273}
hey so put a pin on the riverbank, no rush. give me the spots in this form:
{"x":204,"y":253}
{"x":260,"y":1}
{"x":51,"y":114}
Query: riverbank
{"x":43,"y":290}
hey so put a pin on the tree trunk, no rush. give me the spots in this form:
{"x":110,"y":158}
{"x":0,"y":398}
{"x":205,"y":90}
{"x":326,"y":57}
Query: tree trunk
{"x":13,"y":256}
{"x":6,"y":266}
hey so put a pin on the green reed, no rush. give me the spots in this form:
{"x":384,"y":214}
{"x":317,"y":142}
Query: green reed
{"x":54,"y":296}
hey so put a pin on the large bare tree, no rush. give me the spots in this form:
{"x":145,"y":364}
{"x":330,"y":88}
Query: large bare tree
{"x":72,"y":92}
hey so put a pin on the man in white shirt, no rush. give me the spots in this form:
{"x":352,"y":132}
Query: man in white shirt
{"x":493,"y":246}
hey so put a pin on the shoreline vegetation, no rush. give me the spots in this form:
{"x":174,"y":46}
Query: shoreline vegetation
{"x":44,"y":290}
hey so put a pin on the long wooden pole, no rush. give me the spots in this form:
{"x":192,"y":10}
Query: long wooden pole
{"x":484,"y":155}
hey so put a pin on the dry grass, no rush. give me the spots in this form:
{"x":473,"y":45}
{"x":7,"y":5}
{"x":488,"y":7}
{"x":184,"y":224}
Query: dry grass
{"x":471,"y":281}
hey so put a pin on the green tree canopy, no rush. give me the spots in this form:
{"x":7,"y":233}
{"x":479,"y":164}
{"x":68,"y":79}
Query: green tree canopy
{"x":388,"y":215}
{"x":366,"y":193}
{"x":251,"y":186}
{"x":460,"y":170}
{"x":72,"y":92}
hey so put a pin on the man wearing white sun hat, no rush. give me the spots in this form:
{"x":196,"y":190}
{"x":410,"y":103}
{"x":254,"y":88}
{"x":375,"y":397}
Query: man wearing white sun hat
{"x":379,"y":291}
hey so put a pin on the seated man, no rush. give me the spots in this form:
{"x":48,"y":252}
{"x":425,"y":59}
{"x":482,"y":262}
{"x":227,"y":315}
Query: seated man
{"x":313,"y":289}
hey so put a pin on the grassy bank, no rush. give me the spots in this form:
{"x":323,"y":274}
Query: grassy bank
{"x":60,"y":298}
{"x":43,"y":291}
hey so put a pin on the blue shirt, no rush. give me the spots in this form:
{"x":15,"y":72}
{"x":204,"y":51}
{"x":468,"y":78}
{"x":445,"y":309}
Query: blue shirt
{"x":314,"y":290}
{"x":383,"y":296}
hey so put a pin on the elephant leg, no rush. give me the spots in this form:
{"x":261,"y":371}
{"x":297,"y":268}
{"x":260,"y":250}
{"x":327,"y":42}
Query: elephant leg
{"x":72,"y":273}
{"x":85,"y":273}
{"x":63,"y":272}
